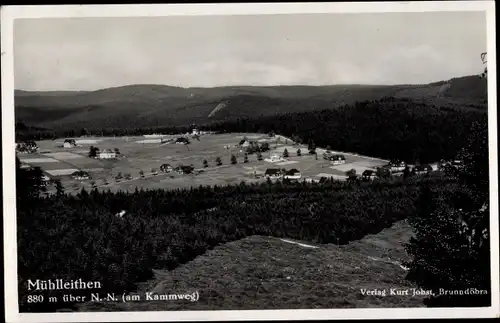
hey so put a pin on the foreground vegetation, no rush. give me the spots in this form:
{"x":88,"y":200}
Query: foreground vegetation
{"x":261,"y":272}
{"x":80,"y":236}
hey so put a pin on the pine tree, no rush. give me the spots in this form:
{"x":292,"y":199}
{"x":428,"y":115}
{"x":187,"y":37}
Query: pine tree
{"x":246,"y":159}
{"x":299,"y":152}
{"x":233,"y":159}
{"x":205,"y":163}
{"x":59,"y":188}
{"x":218,"y":161}
{"x":285,"y":153}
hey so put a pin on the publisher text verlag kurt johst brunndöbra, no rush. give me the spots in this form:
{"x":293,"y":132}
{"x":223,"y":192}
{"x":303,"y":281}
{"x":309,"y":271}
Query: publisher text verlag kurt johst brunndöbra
{"x":58,"y":284}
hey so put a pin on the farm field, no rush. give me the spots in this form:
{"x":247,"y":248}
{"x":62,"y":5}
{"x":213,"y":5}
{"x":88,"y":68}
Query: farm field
{"x":146,"y":154}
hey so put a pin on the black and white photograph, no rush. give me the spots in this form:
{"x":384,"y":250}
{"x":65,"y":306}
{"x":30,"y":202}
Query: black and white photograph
{"x":277,"y":161}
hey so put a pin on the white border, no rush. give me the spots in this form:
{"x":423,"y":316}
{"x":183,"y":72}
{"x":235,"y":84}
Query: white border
{"x":9,"y":13}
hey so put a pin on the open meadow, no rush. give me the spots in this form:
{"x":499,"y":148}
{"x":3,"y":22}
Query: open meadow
{"x":141,"y":158}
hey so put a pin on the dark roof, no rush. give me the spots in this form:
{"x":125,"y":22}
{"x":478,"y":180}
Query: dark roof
{"x":272,"y":171}
{"x":292,"y":171}
{"x":397,"y":163}
{"x":181,"y":139}
{"x":184,"y":168}
{"x":337,"y":157}
{"x":80,"y":173}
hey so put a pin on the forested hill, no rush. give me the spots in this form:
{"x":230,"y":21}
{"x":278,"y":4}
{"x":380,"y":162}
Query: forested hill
{"x":387,"y":128}
{"x":160,"y":105}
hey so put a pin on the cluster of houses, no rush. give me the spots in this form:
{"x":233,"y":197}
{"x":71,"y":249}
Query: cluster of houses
{"x":27,"y":147}
{"x":398,"y":168}
{"x":181,"y":169}
{"x":252,"y":146}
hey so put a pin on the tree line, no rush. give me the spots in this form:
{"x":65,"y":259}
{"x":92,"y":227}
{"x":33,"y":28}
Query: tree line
{"x":388,"y":128}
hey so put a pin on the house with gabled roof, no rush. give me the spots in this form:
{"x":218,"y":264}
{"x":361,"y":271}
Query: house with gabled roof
{"x":368,"y":175}
{"x":422,"y":169}
{"x":293,"y":174}
{"x":273,"y":173}
{"x":336,"y":159}
{"x":182,"y":141}
{"x":80,"y":175}
{"x":166,"y":168}
{"x":106,"y":154}
{"x":69,"y":143}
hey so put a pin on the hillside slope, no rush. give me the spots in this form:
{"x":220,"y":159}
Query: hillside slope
{"x":159,"y":105}
{"x":268,"y":273}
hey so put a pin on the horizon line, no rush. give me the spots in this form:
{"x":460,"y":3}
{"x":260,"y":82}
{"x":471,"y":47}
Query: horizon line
{"x":247,"y":85}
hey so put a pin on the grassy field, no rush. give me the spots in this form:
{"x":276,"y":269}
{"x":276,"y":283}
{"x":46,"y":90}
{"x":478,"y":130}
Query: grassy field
{"x":260,"y":272}
{"x":144,"y":154}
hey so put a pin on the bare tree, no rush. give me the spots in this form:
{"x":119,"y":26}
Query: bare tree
{"x":484,"y":59}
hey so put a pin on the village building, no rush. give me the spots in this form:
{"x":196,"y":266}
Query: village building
{"x":292,"y":174}
{"x":80,"y":175}
{"x":384,"y":171}
{"x":25,"y":166}
{"x":275,"y":158}
{"x":397,"y":166}
{"x":422,"y":169}
{"x":45,"y":180}
{"x":69,"y":143}
{"x":166,"y":168}
{"x":368,"y":175}
{"x":273,"y":173}
{"x":27,"y":147}
{"x":182,"y":141}
{"x":184,"y":169}
{"x":337,"y":159}
{"x":106,"y":154}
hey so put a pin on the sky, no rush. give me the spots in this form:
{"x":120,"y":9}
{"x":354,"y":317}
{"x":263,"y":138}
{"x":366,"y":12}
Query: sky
{"x":208,"y":51}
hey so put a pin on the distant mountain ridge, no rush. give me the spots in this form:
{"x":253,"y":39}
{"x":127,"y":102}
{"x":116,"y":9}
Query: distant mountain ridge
{"x":144,"y":105}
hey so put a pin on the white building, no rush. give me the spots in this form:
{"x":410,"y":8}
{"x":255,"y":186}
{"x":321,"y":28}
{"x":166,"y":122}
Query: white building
{"x":274,"y":159}
{"x":336,"y":159}
{"x":106,"y":154}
